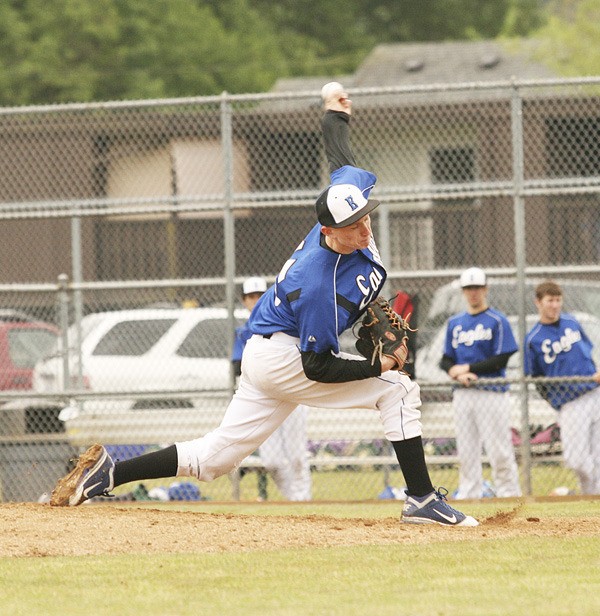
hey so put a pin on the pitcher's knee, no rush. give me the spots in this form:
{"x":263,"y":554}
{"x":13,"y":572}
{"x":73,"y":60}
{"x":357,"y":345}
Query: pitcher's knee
{"x":194,"y":461}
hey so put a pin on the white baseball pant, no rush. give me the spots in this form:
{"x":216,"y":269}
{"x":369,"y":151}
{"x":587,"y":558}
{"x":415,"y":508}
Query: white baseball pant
{"x":483,"y":417}
{"x":579,"y":422}
{"x":286,"y":458}
{"x":272,"y":385}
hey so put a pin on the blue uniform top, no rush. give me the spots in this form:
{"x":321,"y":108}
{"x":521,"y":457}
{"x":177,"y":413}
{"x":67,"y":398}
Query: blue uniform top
{"x":319,"y":293}
{"x":560,"y":349}
{"x":242,"y":335}
{"x":471,"y":338}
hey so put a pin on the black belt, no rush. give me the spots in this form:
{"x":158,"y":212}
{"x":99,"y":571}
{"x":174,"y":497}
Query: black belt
{"x":267,"y":336}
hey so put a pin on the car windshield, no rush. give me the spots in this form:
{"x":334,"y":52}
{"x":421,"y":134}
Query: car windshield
{"x":132,"y":338}
{"x":28,"y":345}
{"x":209,"y":338}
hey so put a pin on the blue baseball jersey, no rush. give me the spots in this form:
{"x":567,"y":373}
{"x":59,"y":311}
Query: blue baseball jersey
{"x":471,"y":338}
{"x":319,"y":294}
{"x":242,"y":335}
{"x":560,"y":349}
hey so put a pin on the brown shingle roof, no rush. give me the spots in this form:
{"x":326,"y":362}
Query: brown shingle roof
{"x":399,"y":64}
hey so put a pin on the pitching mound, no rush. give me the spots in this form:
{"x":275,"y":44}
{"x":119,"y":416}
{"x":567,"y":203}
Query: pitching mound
{"x":40,"y":530}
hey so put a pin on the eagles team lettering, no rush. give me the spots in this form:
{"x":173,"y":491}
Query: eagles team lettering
{"x":371,"y":290}
{"x":552,"y":348}
{"x":469,"y":336}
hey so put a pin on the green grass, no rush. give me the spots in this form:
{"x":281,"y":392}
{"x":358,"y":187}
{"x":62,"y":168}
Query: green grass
{"x":366,"y":484}
{"x":474,"y":576}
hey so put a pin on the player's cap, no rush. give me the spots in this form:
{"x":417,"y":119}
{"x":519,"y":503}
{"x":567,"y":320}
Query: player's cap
{"x":473,"y":277}
{"x":256,"y":284}
{"x":341,"y":205}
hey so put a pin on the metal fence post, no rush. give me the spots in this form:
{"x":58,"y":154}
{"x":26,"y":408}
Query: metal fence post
{"x":77,"y":275}
{"x":228,"y":224}
{"x":63,"y":307}
{"x":520,"y":262}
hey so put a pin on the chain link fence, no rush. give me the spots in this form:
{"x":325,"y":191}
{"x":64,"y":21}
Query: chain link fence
{"x":128,"y":227}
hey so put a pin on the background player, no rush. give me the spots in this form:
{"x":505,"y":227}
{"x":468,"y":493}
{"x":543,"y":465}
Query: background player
{"x":558,"y":346}
{"x":479,"y":343}
{"x":284,"y":453}
{"x":294,"y":354}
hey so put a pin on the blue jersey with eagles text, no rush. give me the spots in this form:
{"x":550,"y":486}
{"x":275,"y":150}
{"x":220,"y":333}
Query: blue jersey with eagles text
{"x":560,"y":349}
{"x":471,"y":338}
{"x":319,"y":294}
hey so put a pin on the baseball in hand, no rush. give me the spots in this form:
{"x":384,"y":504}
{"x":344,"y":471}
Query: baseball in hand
{"x":334,"y":96}
{"x":332,"y":91}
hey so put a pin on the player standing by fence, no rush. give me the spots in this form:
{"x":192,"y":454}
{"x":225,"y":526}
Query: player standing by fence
{"x":558,"y":346}
{"x":479,"y":343}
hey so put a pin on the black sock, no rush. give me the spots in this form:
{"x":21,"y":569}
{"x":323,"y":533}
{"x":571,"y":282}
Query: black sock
{"x":154,"y":465}
{"x":411,"y":458}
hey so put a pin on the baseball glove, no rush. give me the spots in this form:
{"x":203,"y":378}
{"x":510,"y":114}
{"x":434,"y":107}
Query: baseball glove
{"x":383,"y":332}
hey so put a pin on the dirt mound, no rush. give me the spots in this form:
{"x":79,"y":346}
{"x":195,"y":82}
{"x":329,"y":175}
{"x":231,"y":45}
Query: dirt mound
{"x":30,"y":529}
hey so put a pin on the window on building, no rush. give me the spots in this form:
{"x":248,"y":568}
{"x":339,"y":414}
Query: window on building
{"x":454,"y":220}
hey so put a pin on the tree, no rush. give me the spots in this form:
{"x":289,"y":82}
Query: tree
{"x":568,"y":43}
{"x":320,"y":37}
{"x":76,"y":50}
{"x":124,"y":49}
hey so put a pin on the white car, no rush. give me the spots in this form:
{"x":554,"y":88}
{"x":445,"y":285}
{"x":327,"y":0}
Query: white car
{"x":145,"y":350}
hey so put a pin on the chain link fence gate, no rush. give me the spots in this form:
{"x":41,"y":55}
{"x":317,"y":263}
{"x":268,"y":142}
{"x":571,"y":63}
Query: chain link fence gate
{"x":127,"y":229}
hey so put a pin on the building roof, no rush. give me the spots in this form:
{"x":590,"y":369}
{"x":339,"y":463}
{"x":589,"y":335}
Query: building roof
{"x":446,"y":62}
{"x":407,"y":64}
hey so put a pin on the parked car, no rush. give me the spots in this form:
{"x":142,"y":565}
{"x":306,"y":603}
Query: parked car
{"x":142,"y":350}
{"x":23,"y":341}
{"x":145,"y":350}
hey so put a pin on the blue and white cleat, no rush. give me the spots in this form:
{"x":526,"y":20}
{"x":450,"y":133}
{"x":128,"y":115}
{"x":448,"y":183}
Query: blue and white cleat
{"x":93,"y":476}
{"x":433,"y":509}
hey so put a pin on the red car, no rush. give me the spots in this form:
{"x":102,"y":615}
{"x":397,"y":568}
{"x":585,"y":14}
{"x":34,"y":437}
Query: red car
{"x":23,"y":342}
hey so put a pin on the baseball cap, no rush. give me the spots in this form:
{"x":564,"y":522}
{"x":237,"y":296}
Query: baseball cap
{"x":347,"y":199}
{"x":256,"y":284}
{"x":473,"y":277}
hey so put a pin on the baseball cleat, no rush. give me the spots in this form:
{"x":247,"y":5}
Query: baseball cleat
{"x":93,"y":476}
{"x":433,"y":509}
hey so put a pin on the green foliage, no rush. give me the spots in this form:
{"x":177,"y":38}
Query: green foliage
{"x":123,"y":49}
{"x":436,"y":20}
{"x":74,"y":50}
{"x":568,"y":42}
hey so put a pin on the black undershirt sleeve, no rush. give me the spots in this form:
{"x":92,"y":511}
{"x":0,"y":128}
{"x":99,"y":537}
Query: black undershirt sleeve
{"x":327,"y":368}
{"x":336,"y":136}
{"x":491,"y":364}
{"x":446,"y":363}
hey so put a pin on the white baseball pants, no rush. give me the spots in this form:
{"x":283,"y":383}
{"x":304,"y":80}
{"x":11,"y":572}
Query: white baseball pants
{"x":580,"y":435}
{"x":483,"y":418}
{"x":286,"y":458}
{"x":272,"y":385}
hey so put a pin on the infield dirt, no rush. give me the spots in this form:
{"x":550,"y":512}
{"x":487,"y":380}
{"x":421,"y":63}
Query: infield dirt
{"x":30,"y":529}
